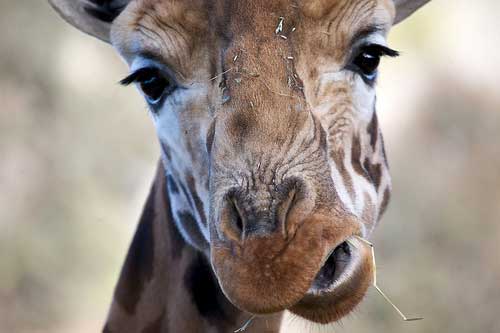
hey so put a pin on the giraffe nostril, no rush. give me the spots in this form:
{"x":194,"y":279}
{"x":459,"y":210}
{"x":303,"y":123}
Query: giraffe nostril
{"x":232,"y":221}
{"x":283,"y":210}
{"x":238,"y":219}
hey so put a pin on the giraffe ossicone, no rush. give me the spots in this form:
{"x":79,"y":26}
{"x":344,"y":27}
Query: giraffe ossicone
{"x":272,"y":157}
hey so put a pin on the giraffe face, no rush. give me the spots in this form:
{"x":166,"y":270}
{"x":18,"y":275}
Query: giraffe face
{"x":265,"y":111}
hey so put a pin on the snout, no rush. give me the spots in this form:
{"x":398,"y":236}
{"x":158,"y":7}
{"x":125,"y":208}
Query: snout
{"x":278,"y":238}
{"x":288,"y":254}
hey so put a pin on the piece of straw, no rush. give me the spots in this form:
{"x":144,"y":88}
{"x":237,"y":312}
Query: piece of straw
{"x":220,"y":74}
{"x":245,"y":325}
{"x":405,"y":318}
{"x":279,"y":28}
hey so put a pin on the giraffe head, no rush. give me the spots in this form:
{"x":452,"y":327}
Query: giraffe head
{"x":265,"y":111}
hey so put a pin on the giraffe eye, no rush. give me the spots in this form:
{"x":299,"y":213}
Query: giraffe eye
{"x":153,"y":83}
{"x":368,"y":63}
{"x":368,"y":58}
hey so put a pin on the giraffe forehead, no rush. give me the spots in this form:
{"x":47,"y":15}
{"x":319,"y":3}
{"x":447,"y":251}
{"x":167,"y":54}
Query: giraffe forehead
{"x":180,"y":24}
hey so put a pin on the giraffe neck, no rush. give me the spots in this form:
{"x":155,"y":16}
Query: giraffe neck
{"x":166,"y":285}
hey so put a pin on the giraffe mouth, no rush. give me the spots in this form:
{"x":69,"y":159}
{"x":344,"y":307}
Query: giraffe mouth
{"x":340,"y":284}
{"x":336,"y":264}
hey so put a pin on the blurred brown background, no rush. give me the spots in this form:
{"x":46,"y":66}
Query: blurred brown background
{"x":78,"y":152}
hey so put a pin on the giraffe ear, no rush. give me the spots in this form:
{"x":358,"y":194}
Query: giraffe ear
{"x":405,"y":8}
{"x":90,"y":16}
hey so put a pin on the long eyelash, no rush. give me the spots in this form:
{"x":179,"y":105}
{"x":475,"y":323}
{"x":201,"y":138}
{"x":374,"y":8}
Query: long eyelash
{"x":381,"y":50}
{"x":139,"y":75}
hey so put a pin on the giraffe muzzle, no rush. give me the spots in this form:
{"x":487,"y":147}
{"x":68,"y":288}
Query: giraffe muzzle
{"x":271,"y":273}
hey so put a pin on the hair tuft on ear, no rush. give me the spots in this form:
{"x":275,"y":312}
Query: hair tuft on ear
{"x":90,"y":16}
{"x":105,"y":11}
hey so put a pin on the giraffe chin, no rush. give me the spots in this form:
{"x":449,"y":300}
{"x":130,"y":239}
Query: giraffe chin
{"x":271,"y":274}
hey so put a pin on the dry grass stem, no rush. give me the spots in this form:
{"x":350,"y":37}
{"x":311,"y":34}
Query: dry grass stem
{"x":249,"y":73}
{"x":245,"y":325}
{"x":375,"y":285}
{"x":279,"y":28}
{"x":291,"y":75}
{"x":219,"y":75}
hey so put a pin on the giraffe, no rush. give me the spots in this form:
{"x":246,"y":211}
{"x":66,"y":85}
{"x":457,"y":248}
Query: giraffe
{"x":272,"y":160}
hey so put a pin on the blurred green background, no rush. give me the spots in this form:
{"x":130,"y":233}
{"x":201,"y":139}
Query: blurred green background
{"x":78,"y":153}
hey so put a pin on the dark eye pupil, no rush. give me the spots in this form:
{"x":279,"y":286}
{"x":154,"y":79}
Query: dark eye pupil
{"x":368,"y":63}
{"x":154,"y":87}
